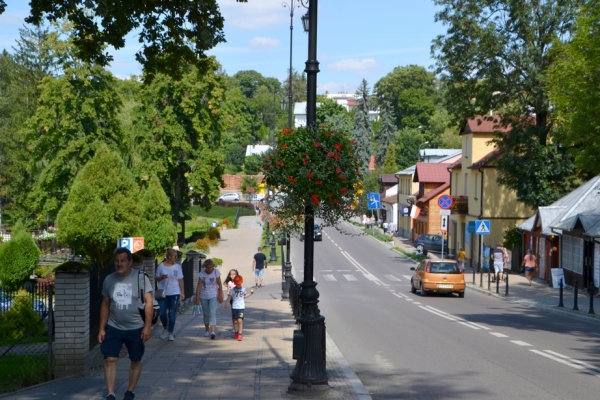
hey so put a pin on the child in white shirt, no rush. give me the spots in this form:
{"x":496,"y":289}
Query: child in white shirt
{"x":238,"y":305}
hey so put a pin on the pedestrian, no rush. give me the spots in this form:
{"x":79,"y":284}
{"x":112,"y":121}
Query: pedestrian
{"x":237,"y":298}
{"x":385,"y":227}
{"x":259,"y":264}
{"x":230,"y":285}
{"x":392,"y":228}
{"x":530,"y":265}
{"x":498,"y":258}
{"x":364,"y":220}
{"x":461,"y":258}
{"x":209,"y":292}
{"x":257,"y":209}
{"x":169,"y":276}
{"x":121,"y":321}
{"x":372,"y":221}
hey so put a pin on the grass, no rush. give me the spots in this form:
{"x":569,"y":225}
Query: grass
{"x":27,"y":340}
{"x":409,"y":254}
{"x":20,"y":371}
{"x":378,"y":235}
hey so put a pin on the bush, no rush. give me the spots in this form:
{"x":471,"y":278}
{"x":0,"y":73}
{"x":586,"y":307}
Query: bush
{"x":20,"y":319}
{"x":18,"y":258}
{"x":213,"y":234}
{"x":218,"y":262}
{"x":226,"y":223}
{"x":203,"y":245}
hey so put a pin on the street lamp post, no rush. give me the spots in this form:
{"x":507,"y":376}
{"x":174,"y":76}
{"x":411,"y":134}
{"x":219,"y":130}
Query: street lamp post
{"x":293,"y":4}
{"x":309,"y":374}
{"x":421,"y":145}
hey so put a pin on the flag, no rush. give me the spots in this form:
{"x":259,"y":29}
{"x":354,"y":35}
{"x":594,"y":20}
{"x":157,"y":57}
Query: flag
{"x":414,"y":212}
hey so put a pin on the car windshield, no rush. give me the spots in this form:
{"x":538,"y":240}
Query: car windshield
{"x":444,"y":268}
{"x":317,"y":227}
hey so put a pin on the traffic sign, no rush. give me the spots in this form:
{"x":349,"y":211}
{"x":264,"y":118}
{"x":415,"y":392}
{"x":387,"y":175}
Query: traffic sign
{"x":482,"y":227}
{"x":471,"y":227}
{"x":445,"y":212}
{"x":445,"y":202}
{"x":444,"y":223}
{"x":373,"y":201}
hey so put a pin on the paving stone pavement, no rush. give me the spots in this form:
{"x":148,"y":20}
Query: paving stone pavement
{"x":196,"y":367}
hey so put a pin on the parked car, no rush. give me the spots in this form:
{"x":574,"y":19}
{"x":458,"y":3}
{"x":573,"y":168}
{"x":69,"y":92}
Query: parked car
{"x":317,"y":233}
{"x":441,"y":276}
{"x":229,"y":197}
{"x":428,"y":242}
{"x":40,"y":307}
{"x":6,"y":303}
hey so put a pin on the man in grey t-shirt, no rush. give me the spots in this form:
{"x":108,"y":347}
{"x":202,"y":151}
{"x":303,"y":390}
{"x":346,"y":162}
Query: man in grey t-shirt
{"x":121,"y":322}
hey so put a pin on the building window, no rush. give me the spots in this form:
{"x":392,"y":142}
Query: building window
{"x":467,"y":147}
{"x":572,"y":254}
{"x":466,"y":184}
{"x":476,"y":186}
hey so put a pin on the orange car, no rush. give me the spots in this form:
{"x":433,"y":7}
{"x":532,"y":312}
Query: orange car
{"x":442,"y":276}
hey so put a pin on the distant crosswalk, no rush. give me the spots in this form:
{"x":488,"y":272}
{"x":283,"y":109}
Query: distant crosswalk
{"x":344,"y":275}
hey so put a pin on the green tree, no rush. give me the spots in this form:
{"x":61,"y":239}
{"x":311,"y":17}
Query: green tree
{"x":387,"y":133}
{"x":249,"y":185}
{"x":102,"y":206}
{"x":18,"y":258}
{"x":412,"y":91}
{"x":172,"y":33}
{"x":252,"y":164}
{"x":407,"y":147}
{"x":156,"y":225}
{"x":178,"y":131}
{"x":329,"y":108}
{"x":389,"y":165}
{"x":494,"y":56}
{"x":574,"y":88}
{"x":362,"y":131}
{"x":298,"y":86}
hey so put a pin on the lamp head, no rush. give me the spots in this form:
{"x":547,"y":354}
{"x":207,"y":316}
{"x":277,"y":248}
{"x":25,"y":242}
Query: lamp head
{"x":305,"y":22}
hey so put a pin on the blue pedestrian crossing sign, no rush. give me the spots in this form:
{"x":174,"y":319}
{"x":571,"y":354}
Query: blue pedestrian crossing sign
{"x":373,"y":201}
{"x":482,"y":227}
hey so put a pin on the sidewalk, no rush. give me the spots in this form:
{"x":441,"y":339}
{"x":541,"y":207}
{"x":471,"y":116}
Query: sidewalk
{"x":196,"y":367}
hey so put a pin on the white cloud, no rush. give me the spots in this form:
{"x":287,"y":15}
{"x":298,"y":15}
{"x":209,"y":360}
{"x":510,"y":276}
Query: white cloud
{"x":256,"y":14}
{"x":364,"y":66}
{"x":263,"y":43}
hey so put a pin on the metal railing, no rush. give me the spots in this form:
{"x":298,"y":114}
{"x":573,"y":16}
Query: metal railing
{"x":295,"y":290}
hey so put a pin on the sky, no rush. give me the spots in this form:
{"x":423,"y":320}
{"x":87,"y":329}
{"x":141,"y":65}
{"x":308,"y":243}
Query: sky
{"x":356,"y":39}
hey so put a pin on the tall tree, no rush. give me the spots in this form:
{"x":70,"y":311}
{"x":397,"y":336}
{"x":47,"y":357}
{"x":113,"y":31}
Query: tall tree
{"x":172,"y":33}
{"x":298,"y":86}
{"x":389,"y":165}
{"x":329,"y":108}
{"x":362,"y":131}
{"x":574,"y":86}
{"x":155,"y":225}
{"x":494,"y":56}
{"x":387,"y":134}
{"x":178,"y":129}
{"x":412,"y":91}
{"x":407,"y":147}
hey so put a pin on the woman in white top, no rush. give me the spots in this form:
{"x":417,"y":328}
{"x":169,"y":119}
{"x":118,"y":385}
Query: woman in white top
{"x":169,"y":276}
{"x":209,"y":291}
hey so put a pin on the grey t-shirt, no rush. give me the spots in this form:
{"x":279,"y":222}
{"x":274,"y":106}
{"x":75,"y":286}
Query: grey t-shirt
{"x":124,"y":294}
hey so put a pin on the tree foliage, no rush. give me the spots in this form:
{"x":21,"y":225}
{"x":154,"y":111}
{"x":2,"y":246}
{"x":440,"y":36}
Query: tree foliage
{"x":494,"y":57}
{"x":327,"y":109}
{"x":574,"y":87}
{"x":18,"y":258}
{"x":172,"y":33}
{"x":101,"y":207}
{"x":156,"y":224}
{"x":362,"y":131}
{"x":407,"y":147}
{"x":387,"y":133}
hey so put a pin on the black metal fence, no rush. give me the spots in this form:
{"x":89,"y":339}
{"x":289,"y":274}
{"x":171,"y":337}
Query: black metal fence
{"x":188,"y":277}
{"x":295,"y":290}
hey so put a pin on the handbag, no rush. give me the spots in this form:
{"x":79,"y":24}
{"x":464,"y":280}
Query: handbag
{"x":160,"y":294}
{"x":142,"y":307}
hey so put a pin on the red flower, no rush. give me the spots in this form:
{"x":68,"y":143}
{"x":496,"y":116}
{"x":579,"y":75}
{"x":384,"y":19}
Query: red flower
{"x":343,"y":190}
{"x":291,"y":179}
{"x":342,"y":177}
{"x":285,"y":131}
{"x":319,"y":182}
{"x":285,"y":146}
{"x":309,"y":176}
{"x":338,"y":147}
{"x":317,"y":144}
{"x":330,"y":154}
{"x":351,"y":141}
{"x":315,"y":199}
{"x":336,"y":201}
{"x":338,"y":170}
{"x":336,"y":157}
{"x":330,"y":195}
{"x":327,"y":134}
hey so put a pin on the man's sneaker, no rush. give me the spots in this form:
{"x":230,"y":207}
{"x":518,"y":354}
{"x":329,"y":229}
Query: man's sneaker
{"x":212,"y":335}
{"x":163,"y":334}
{"x":259,"y":285}
{"x":171,"y":338}
{"x":111,"y":397}
{"x":129,"y":395}
{"x":239,"y":338}
{"x":206,"y":333}
{"x":236,"y":336}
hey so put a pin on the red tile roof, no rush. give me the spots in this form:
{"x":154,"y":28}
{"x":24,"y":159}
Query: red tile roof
{"x":432,"y":173}
{"x":484,"y":124}
{"x":432,"y":193}
{"x":388,"y":178}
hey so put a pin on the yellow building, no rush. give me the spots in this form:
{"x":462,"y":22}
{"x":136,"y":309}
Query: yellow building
{"x":477,"y":194}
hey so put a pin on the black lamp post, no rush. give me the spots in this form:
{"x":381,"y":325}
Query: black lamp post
{"x":293,"y":4}
{"x":309,"y":374}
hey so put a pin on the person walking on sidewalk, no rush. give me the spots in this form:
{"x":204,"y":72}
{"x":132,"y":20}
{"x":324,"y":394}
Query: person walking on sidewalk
{"x":461,"y":258}
{"x":230,"y":285}
{"x":530,"y":265}
{"x":237,"y":297}
{"x":169,"y":276}
{"x":498,"y":258}
{"x":121,"y":321}
{"x":258,"y":266}
{"x":209,"y":291}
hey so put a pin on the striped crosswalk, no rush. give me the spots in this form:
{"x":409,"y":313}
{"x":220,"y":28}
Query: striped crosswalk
{"x":346,"y":275}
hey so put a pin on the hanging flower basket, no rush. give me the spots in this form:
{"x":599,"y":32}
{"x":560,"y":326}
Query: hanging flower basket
{"x":314,"y":171}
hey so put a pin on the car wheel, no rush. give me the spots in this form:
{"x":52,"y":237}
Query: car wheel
{"x":413,"y":290}
{"x":461,"y":295}
{"x":423,"y":291}
{"x":420,"y":248}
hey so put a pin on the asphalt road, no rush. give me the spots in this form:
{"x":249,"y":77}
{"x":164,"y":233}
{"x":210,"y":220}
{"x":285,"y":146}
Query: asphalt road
{"x":404,"y":346}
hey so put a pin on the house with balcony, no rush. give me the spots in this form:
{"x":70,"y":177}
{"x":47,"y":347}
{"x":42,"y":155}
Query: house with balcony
{"x":434,"y":182}
{"x":476,"y":193}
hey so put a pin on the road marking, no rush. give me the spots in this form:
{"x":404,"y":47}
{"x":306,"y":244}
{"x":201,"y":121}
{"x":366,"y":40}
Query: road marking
{"x":416,"y":303}
{"x":401,"y":295}
{"x":469,"y":325}
{"x":343,"y":270}
{"x":407,"y":277}
{"x":589,"y":366}
{"x":350,"y":277}
{"x":571,"y":363}
{"x":366,"y":272}
{"x":436,"y":313}
{"x":325,"y":270}
{"x":498,"y":334}
{"x":480,"y":326}
{"x":329,"y":278}
{"x":520,"y":343}
{"x":393,"y":278}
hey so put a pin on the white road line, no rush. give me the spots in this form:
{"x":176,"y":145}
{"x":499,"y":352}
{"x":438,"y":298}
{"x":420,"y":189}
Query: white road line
{"x":407,"y":277}
{"x":329,"y":278}
{"x":416,"y":303}
{"x":398,"y":295}
{"x":520,"y":343}
{"x":498,"y":334}
{"x":325,"y":270}
{"x":393,"y":278}
{"x":403,"y":295}
{"x":590,"y":366}
{"x":350,"y":277}
{"x":570,"y":364}
{"x":343,"y":270}
{"x":438,"y":314}
{"x":460,"y":320}
{"x":469,"y":325}
{"x":480,"y":326}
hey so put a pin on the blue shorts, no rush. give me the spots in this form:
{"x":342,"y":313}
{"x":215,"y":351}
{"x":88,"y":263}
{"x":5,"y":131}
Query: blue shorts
{"x":115,"y":338}
{"x":259,"y":273}
{"x":529,"y":269}
{"x":237,"y":313}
